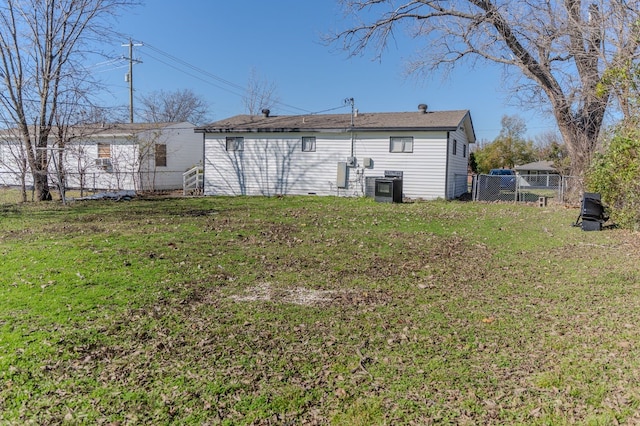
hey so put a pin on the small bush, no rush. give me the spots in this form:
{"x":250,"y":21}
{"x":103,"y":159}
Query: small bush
{"x":615,"y":174}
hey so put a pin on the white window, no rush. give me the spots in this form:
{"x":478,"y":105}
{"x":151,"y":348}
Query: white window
{"x":235,"y":143}
{"x":464,"y":150}
{"x":454,"y":147}
{"x":308,"y":144}
{"x":401,"y":144}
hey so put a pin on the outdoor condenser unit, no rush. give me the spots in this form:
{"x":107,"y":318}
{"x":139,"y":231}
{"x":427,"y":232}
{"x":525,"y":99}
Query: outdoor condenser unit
{"x":389,"y":188}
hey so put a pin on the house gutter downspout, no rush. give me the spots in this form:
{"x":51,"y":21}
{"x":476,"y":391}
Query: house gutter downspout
{"x":352,"y":102}
{"x":204,"y":134}
{"x":446,"y":170}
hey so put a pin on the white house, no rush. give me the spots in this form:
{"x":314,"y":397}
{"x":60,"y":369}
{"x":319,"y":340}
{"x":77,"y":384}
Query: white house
{"x":538,"y":174}
{"x":140,"y":157}
{"x":338,"y":154}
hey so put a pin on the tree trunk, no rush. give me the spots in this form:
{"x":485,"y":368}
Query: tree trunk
{"x":39,"y":166}
{"x":580,"y":134}
{"x":41,"y":184}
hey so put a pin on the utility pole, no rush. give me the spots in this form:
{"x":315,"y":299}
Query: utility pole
{"x":129,"y":77}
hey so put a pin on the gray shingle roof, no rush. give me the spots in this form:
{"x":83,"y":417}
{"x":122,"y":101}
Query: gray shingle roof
{"x":430,"y":120}
{"x":97,"y":130}
{"x":543,"y":166}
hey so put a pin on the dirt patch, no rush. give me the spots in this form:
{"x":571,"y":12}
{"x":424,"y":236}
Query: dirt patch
{"x":311,"y":297}
{"x":297,"y":296}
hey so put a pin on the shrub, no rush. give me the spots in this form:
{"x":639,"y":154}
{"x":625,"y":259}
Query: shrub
{"x":615,"y":174}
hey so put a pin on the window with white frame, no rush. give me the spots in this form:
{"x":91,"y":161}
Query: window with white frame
{"x":308,"y":144}
{"x":454,"y":147}
{"x":464,"y":150}
{"x":401,"y":144}
{"x":235,"y":143}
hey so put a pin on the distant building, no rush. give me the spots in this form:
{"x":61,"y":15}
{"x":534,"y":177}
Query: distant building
{"x":537,"y":168}
{"x":140,"y":157}
{"x":539,"y":174}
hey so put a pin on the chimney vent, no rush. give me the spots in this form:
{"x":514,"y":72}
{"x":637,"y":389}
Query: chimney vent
{"x":422,"y":108}
{"x":266,"y":112}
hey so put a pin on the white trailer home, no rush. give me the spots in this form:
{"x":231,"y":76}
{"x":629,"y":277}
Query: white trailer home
{"x":139,"y":157}
{"x":338,"y":154}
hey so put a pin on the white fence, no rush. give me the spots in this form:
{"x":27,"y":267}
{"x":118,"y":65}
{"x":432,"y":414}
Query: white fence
{"x":100,"y":181}
{"x":546,"y":188}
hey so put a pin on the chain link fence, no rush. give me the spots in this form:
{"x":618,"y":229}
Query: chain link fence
{"x":542,"y":189}
{"x":550,"y":188}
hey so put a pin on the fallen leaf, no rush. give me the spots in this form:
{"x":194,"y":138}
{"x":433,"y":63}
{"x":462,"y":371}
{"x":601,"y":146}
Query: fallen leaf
{"x":340,"y":393}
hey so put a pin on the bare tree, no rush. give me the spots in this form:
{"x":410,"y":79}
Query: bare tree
{"x":177,"y":106}
{"x":559,"y":50}
{"x":42,"y":48}
{"x":261,"y":94}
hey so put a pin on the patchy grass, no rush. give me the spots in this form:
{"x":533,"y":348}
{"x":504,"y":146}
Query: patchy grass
{"x":315,"y":310}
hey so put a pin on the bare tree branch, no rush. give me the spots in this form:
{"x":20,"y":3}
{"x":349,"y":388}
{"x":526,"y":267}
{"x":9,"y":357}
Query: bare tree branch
{"x":177,"y":106}
{"x":260,"y":94}
{"x":560,"y":48}
{"x":42,"y":48}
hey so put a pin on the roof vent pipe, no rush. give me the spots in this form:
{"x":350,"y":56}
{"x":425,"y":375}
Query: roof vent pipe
{"x":266,"y":112}
{"x":422,"y":108}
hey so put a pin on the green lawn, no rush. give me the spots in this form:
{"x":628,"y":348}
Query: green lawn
{"x":315,"y":310}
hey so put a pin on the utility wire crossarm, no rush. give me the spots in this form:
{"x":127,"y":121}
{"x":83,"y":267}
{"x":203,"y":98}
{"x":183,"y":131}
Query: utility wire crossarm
{"x":129,"y":76}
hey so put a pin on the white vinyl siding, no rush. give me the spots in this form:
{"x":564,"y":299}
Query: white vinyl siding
{"x":423,"y":169}
{"x":457,"y":166}
{"x":275,"y":164}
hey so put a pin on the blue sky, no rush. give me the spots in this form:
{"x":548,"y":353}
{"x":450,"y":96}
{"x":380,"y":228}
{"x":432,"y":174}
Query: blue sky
{"x":281,"y":41}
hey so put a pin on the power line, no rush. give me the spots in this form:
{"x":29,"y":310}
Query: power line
{"x":193,"y":75}
{"x":213,"y":76}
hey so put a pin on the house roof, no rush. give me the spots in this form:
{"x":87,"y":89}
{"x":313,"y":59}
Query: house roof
{"x":541,"y":166}
{"x":100,"y":129}
{"x":385,"y":121}
{"x":120,"y":129}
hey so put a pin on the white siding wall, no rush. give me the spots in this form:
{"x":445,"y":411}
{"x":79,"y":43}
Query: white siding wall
{"x":271,"y":164}
{"x":80,"y":161}
{"x":423,"y":169}
{"x":9,"y":169}
{"x":275,"y":164}
{"x":184,"y":151}
{"x":457,"y":167}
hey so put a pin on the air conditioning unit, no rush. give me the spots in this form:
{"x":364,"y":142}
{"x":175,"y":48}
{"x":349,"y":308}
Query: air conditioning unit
{"x":103,"y":162}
